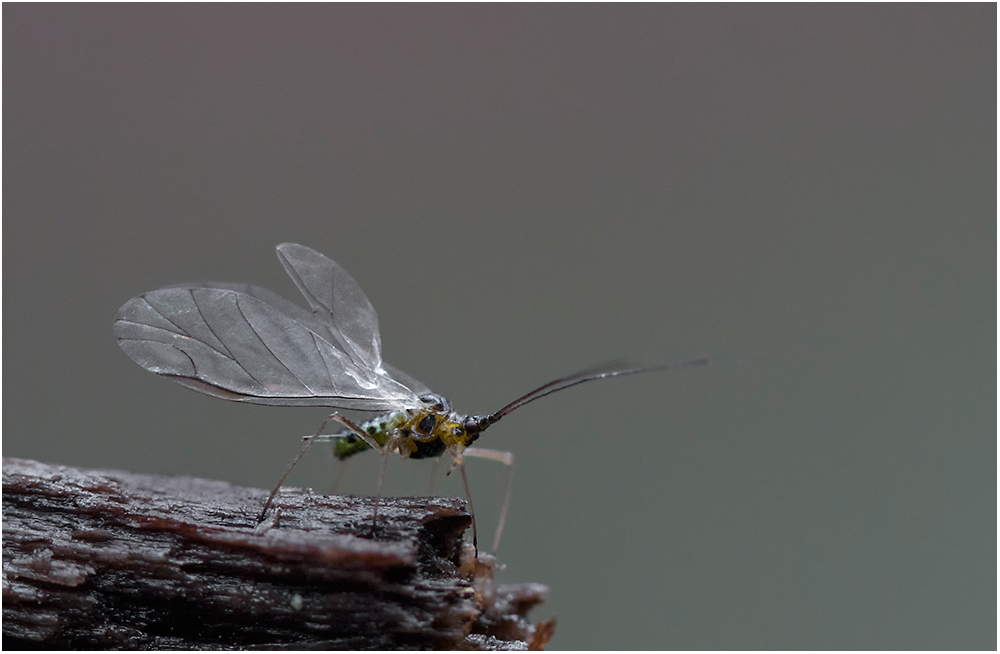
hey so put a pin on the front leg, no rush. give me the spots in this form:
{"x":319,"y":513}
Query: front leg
{"x":507,"y":458}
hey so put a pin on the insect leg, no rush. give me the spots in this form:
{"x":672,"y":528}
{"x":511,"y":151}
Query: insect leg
{"x":433,"y":486}
{"x":384,"y":450}
{"x":507,"y":458}
{"x":378,"y":491}
{"x":472,"y":511}
{"x":305,"y":448}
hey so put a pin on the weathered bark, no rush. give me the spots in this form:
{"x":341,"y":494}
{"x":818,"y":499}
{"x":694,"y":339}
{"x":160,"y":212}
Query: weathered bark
{"x":108,"y":559}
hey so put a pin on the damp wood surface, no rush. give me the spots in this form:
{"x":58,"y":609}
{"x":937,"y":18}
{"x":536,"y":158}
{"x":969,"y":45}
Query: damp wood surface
{"x":103,"y":559}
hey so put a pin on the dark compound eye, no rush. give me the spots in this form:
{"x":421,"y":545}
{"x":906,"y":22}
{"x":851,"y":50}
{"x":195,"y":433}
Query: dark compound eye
{"x":471,"y":427}
{"x":427,"y":424}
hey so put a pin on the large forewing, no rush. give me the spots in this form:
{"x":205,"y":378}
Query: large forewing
{"x":237,"y":346}
{"x":337,"y":299}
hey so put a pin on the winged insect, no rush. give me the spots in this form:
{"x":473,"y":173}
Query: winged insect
{"x":244,"y":343}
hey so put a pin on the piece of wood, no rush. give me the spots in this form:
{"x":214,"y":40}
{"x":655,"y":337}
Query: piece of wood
{"x":102,"y":559}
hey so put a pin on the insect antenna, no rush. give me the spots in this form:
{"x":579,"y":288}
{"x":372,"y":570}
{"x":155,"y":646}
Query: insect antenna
{"x":474,"y":425}
{"x":616,"y":369}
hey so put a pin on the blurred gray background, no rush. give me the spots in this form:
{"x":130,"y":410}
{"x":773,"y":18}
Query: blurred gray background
{"x":523,"y":191}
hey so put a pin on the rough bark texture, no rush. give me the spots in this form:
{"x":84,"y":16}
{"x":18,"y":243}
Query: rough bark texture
{"x":109,"y":560}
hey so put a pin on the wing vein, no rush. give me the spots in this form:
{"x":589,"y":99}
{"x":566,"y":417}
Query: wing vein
{"x":319,"y":352}
{"x":201,"y":315}
{"x":162,"y":315}
{"x":266,"y":347}
{"x":183,"y":333}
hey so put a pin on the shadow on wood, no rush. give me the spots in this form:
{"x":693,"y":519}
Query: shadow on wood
{"x":113,"y":560}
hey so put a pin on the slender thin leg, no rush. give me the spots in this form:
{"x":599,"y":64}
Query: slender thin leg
{"x":305,"y":448}
{"x":433,"y":485}
{"x":378,"y":491}
{"x":384,"y":450}
{"x":507,"y":458}
{"x":472,"y":510}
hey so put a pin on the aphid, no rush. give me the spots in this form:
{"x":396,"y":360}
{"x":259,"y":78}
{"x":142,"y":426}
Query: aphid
{"x":246,"y":344}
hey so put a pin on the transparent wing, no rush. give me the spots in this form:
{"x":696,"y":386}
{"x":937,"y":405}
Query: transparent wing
{"x":337,"y":301}
{"x":247,"y":344}
{"x":414,"y":385}
{"x":307,"y":318}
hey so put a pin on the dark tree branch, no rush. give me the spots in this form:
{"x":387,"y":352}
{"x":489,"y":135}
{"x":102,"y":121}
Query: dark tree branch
{"x":108,"y":559}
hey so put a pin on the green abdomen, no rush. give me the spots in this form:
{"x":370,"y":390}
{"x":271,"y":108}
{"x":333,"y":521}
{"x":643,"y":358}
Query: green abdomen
{"x":346,"y":443}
